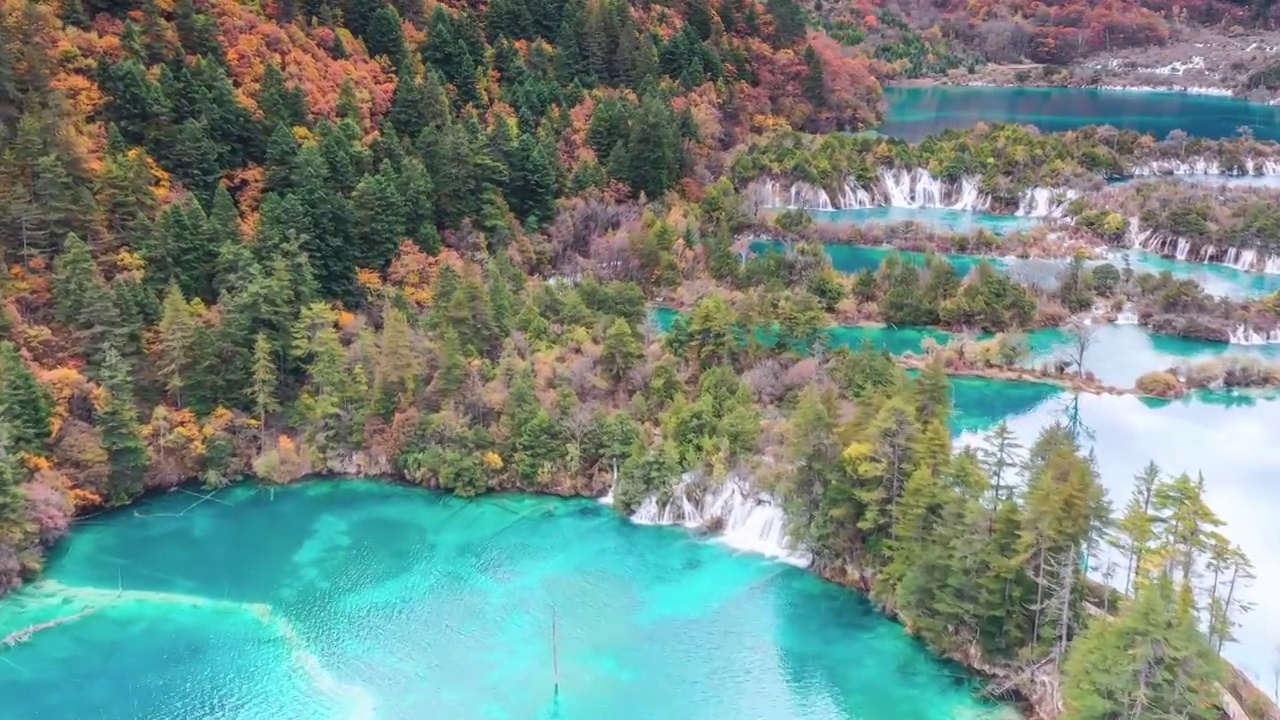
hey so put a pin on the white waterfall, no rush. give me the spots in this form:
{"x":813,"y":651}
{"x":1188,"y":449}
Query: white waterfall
{"x":1203,"y":166}
{"x":1045,"y":202}
{"x":1035,"y":202}
{"x":809,"y":197}
{"x":1138,"y":237}
{"x":1248,"y":260}
{"x":928,"y":190}
{"x":748,"y":520}
{"x":896,"y":185}
{"x":1245,"y":335}
{"x":1127,"y":315}
{"x":899,"y":188}
{"x":918,"y":189}
{"x":970,"y":197}
{"x":1241,"y":259}
{"x":1193,"y":166}
{"x":855,"y":197}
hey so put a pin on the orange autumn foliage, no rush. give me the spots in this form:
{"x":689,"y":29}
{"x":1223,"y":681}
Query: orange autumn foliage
{"x":252,"y":42}
{"x":35,"y":463}
{"x":69,"y":389}
{"x":414,"y":271}
{"x":82,"y":499}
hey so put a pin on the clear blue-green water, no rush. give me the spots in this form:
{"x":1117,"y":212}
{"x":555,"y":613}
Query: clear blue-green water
{"x":1117,"y":355}
{"x":1215,"y":279}
{"x":942,"y":220}
{"x":856,"y":258}
{"x":356,"y":599}
{"x":916,"y":112}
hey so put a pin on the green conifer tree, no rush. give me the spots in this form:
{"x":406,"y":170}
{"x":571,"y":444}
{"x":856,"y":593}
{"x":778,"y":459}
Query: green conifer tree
{"x":119,"y":424}
{"x":26,"y":406}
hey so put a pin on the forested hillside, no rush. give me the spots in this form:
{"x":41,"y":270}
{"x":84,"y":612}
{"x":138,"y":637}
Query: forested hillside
{"x":222,"y":220}
{"x":932,"y":37}
{"x":414,"y":239}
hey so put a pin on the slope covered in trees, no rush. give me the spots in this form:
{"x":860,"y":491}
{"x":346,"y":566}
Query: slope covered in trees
{"x":270,"y":235}
{"x":420,"y":239}
{"x":931,"y":38}
{"x":986,"y":553}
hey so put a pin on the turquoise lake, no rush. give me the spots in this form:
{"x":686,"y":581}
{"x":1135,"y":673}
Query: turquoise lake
{"x":1118,"y":354}
{"x":916,"y":112}
{"x":357,"y":600}
{"x":1227,"y":436}
{"x":953,"y":221}
{"x":360,"y":600}
{"x":1215,"y":279}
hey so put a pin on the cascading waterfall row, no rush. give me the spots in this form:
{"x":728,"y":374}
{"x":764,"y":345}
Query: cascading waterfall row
{"x":893,"y":188}
{"x":1246,"y":335}
{"x":1242,"y":259}
{"x":1205,"y":166}
{"x":743,"y":518}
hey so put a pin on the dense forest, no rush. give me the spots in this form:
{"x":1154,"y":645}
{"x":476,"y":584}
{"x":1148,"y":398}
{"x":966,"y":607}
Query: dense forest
{"x":220,"y":219}
{"x":422,"y":240}
{"x":985,"y":553}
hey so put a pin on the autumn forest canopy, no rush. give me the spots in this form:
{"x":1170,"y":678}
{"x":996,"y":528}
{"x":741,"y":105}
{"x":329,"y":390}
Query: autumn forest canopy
{"x":422,"y":239}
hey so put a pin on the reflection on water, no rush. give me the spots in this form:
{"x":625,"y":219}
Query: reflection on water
{"x":915,"y":112}
{"x":1229,"y":438}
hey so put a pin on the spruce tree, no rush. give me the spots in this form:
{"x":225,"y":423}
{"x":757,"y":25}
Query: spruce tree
{"x":380,"y":217}
{"x":175,"y":336}
{"x":446,"y":50}
{"x":281,"y":159}
{"x":408,"y":113}
{"x":280,"y":104}
{"x":262,"y":391}
{"x":1137,"y":527}
{"x":26,"y":406}
{"x":532,"y":187}
{"x":999,"y":455}
{"x":75,"y":281}
{"x":1149,"y":662}
{"x":385,"y":36}
{"x":653,"y":150}
{"x":15,"y":525}
{"x":509,"y":19}
{"x":815,"y":80}
{"x":621,"y":350}
{"x":118,"y":421}
{"x":418,"y":193}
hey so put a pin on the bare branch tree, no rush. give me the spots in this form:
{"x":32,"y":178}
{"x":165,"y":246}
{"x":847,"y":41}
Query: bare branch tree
{"x":1082,"y":337}
{"x":1275,"y":675}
